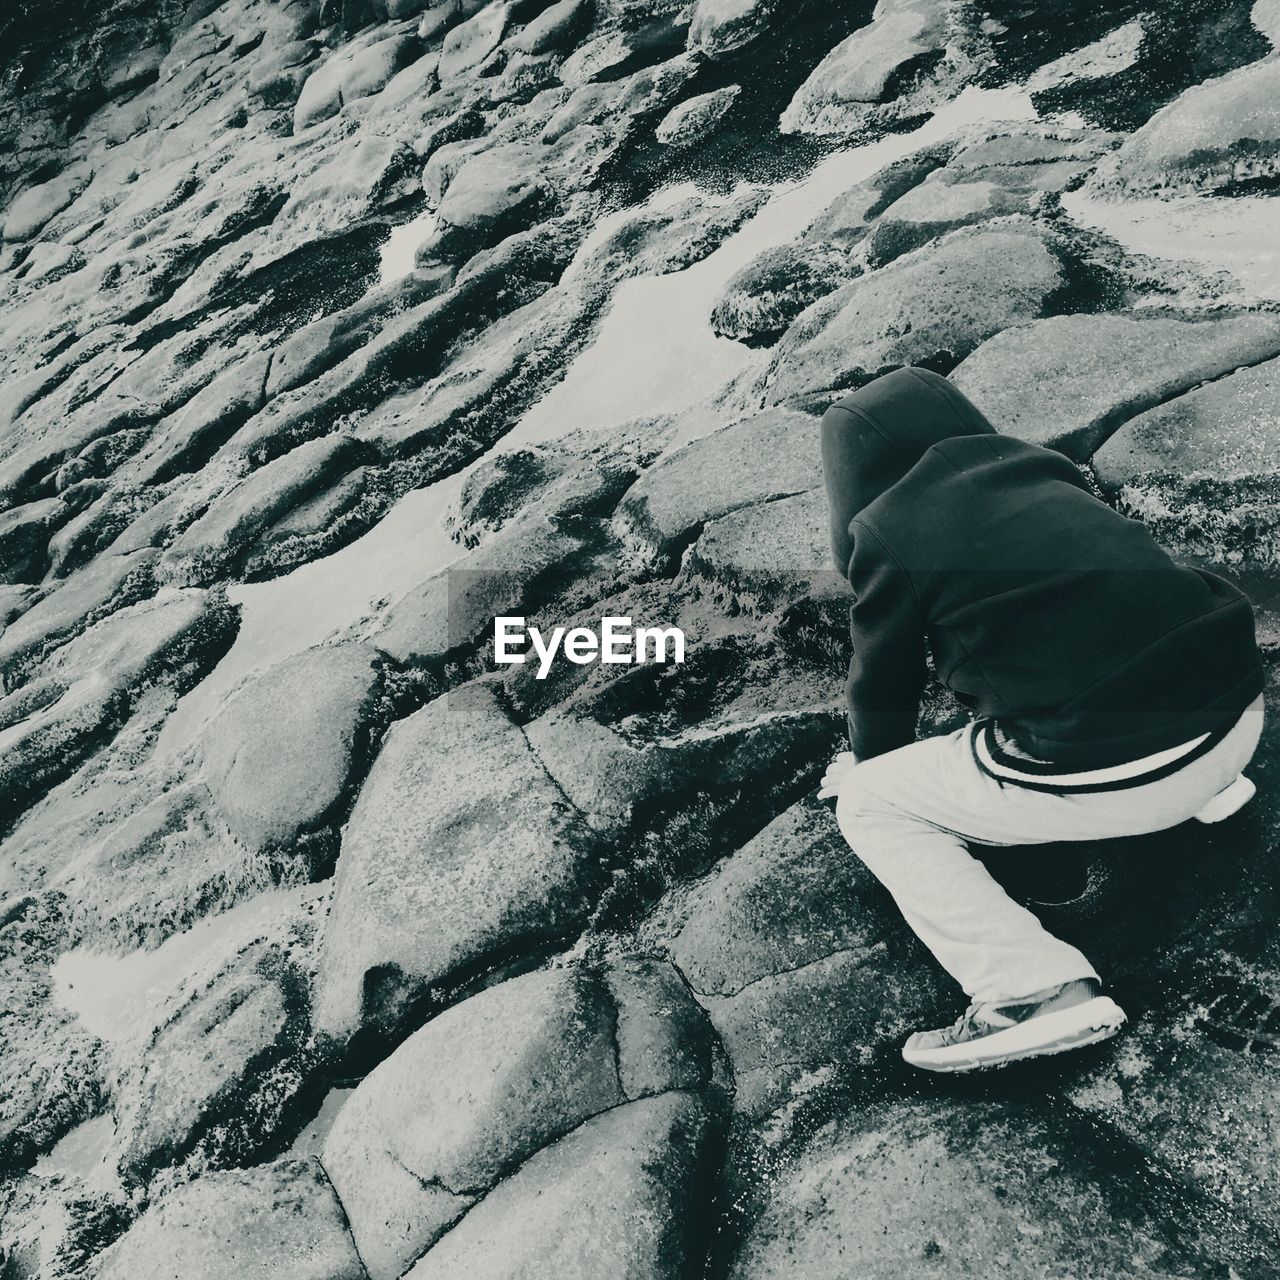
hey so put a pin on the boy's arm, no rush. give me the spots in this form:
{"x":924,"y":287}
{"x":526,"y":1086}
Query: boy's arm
{"x":887,"y":671}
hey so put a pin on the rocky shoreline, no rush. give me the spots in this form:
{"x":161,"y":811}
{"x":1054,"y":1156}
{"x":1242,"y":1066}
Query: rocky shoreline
{"x":330,"y":951}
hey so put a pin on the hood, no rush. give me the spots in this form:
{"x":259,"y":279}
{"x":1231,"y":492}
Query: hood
{"x":872,"y":438}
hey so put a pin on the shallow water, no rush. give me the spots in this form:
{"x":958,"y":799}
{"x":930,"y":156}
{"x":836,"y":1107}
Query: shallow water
{"x":118,"y":997}
{"x":1232,"y":233}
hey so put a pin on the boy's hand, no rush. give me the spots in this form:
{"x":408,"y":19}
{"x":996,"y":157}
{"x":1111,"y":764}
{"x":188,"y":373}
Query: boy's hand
{"x":837,"y":773}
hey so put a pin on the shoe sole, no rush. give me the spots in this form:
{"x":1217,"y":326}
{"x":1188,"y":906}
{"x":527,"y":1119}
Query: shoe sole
{"x":1230,"y":800}
{"x":1082,"y":1024}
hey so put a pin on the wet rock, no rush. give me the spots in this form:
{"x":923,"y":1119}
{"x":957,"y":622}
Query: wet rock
{"x":319,"y":525}
{"x":756,"y":459}
{"x":373,"y":68}
{"x":971,"y":1184}
{"x":760,"y":301}
{"x":768,"y":553}
{"x":14,"y":601}
{"x":210,"y":546}
{"x":930,"y":307}
{"x":24,"y":535}
{"x":1265,"y":15}
{"x":696,"y":119}
{"x":595,"y":59}
{"x":470,"y":43}
{"x":868,"y":67}
{"x":492,"y":1081}
{"x":216,"y":1073}
{"x":721,"y":27}
{"x":800,"y":958}
{"x":280,"y":756}
{"x":83,"y":691}
{"x":280,"y":1220}
{"x":1216,"y":134}
{"x":50,"y":1067}
{"x":460,"y":852}
{"x":37,"y":204}
{"x":493,"y":194}
{"x":624,"y":1194}
{"x":1029,"y":156}
{"x":1069,"y":381}
{"x":932,"y":209}
{"x":554,"y":28}
{"x":1200,"y":470}
{"x":82,"y":599}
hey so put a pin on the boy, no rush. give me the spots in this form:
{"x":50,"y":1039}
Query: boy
{"x":1116,"y":693}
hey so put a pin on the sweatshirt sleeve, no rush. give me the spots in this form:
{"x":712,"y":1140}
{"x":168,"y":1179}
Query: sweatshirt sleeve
{"x":887,"y":671}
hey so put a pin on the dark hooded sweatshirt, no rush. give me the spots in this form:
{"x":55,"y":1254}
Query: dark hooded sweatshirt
{"x":1044,"y":610}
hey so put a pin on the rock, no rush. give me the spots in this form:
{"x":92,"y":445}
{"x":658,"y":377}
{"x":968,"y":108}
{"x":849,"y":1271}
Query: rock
{"x":14,"y":602}
{"x":1216,"y":134}
{"x":930,"y":307}
{"x":24,"y":536}
{"x":720,"y":27}
{"x":282,"y":753}
{"x":869,"y":67}
{"x":760,"y":301}
{"x":596,"y":59}
{"x":83,"y":691}
{"x":37,"y":204}
{"x":1069,"y":381}
{"x":625,"y":1194}
{"x":460,"y":851}
{"x":79,"y":601}
{"x":756,"y":459}
{"x":932,"y":209}
{"x":321,"y":95}
{"x":470,"y":43}
{"x":696,"y":119}
{"x":317,"y":526}
{"x":438,"y":18}
{"x":975,"y":1184}
{"x":1200,"y":470}
{"x":493,"y":1080}
{"x":209,"y":547}
{"x":768,"y":553}
{"x":493,"y":194}
{"x":372,"y":68}
{"x":844,"y":222}
{"x":217,"y":1075}
{"x":554,"y":28}
{"x":1265,"y":15}
{"x":800,"y":958}
{"x":277,"y":1221}
{"x":50,"y":1067}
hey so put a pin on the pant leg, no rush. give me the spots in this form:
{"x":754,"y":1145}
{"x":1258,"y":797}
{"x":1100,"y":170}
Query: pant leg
{"x":909,"y":813}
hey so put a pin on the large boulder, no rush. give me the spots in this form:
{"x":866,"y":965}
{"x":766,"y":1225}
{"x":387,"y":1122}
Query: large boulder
{"x":695,"y":119}
{"x":973,"y":1185}
{"x":488,"y":1083}
{"x":757,"y":459}
{"x":626,"y":1194}
{"x":277,"y":1221}
{"x":930,"y":307}
{"x":1201,"y":470}
{"x":37,"y":204}
{"x":800,"y":958}
{"x":1216,"y":134}
{"x":460,"y":852}
{"x":758,"y":302}
{"x":869,"y":67}
{"x":470,"y":43}
{"x":282,"y":753}
{"x":1069,"y":381}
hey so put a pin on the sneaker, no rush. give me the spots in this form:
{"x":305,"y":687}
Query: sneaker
{"x":989,"y":1035}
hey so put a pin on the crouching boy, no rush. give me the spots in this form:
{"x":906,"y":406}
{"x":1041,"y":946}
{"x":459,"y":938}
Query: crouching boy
{"x":1115,"y":693}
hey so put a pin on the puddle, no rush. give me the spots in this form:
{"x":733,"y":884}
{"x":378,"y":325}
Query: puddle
{"x":79,"y":1153}
{"x":1234,"y":233}
{"x":656,"y":353}
{"x":291,"y":613}
{"x":399,"y":247}
{"x":118,"y":997}
{"x":311,"y":1140}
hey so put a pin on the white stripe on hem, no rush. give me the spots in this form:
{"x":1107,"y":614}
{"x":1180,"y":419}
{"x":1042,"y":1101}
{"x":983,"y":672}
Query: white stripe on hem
{"x":1110,"y":773}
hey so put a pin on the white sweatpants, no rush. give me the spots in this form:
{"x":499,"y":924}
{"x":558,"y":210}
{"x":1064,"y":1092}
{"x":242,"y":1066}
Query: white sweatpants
{"x":909,"y":813}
